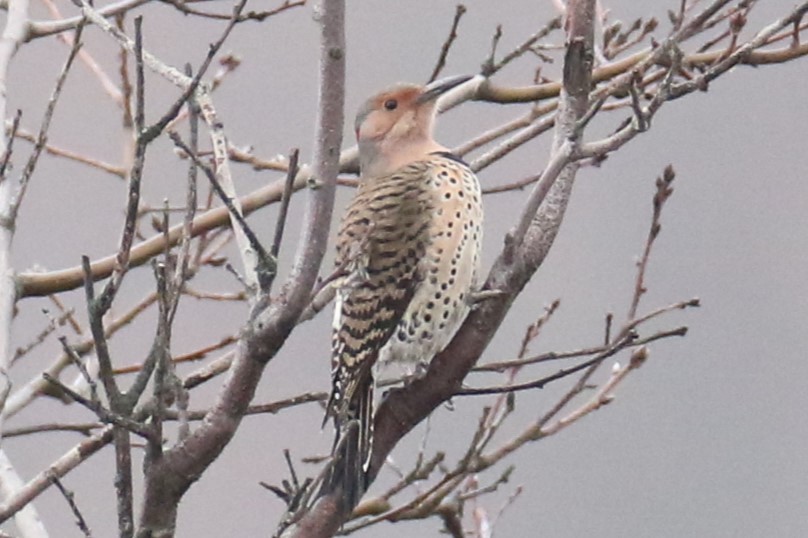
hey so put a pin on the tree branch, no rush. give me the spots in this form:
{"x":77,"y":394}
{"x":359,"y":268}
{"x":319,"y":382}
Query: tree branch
{"x":169,"y":476}
{"x":404,"y":408}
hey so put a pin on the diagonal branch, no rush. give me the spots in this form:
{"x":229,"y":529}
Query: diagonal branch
{"x":266,"y":266}
{"x":460,"y":10}
{"x":404,"y":408}
{"x":45,"y":126}
{"x":169,"y":476}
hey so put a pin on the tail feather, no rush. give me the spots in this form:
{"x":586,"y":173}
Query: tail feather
{"x":352,"y":449}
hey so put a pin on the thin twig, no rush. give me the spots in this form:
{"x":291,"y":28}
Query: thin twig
{"x":85,"y":429}
{"x":71,"y":502}
{"x":44,"y":126}
{"x":249,"y":16}
{"x":155,"y":130}
{"x":266,"y":268}
{"x":460,"y":10}
{"x":59,"y":468}
{"x":490,"y":68}
{"x":126,"y":82}
{"x":195,"y":355}
{"x":76,"y":360}
{"x":103,"y":413}
{"x":288,"y":190}
{"x":39,"y":339}
{"x":663,"y":192}
{"x":15,"y":125}
{"x":57,"y":151}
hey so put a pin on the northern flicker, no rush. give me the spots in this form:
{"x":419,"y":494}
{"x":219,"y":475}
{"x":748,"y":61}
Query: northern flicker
{"x":408,"y":251}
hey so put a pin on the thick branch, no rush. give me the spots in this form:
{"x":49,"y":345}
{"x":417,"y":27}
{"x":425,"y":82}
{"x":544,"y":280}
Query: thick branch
{"x":403,"y":408}
{"x":170,"y":476}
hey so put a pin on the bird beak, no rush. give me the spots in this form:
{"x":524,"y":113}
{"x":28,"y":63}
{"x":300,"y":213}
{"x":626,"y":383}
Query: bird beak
{"x":435,"y":89}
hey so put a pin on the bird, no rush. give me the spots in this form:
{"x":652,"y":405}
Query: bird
{"x":408,"y":257}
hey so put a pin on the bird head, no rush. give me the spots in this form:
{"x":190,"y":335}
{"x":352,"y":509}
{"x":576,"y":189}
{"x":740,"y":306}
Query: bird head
{"x":394,"y":127}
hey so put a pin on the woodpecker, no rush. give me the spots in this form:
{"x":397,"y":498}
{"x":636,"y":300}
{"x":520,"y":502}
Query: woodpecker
{"x":408,"y":252}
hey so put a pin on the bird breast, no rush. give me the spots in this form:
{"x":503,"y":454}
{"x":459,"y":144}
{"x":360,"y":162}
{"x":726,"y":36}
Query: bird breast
{"x":448,"y":270}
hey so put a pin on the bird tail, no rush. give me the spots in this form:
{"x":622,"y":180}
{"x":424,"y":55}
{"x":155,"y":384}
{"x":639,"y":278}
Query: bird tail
{"x":352,"y":448}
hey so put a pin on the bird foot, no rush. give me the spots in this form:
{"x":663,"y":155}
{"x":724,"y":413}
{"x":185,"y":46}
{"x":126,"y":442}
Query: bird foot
{"x":420,"y":369}
{"x":417,"y":372}
{"x":477,"y":297}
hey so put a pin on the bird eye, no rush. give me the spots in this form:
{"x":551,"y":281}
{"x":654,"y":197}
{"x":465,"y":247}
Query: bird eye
{"x":391,"y":104}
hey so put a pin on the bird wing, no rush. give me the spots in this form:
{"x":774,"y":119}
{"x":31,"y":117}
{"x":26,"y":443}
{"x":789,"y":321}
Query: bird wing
{"x":381,"y":242}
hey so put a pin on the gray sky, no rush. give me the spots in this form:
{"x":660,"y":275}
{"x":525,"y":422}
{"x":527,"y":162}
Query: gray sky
{"x":707,"y":439}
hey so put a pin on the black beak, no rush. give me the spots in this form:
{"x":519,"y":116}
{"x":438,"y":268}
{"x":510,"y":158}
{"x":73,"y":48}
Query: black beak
{"x":439,"y":87}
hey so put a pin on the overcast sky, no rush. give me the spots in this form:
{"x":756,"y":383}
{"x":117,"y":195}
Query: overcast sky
{"x":708,"y":438}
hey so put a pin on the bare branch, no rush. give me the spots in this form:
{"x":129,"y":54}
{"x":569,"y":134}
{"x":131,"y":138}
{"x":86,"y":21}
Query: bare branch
{"x":37,"y":386}
{"x":71,"y":502}
{"x":288,"y":190}
{"x":57,"y":151}
{"x":45,"y":28}
{"x":168,"y":477}
{"x":58,"y":468}
{"x":403,"y":408}
{"x":491,"y":67}
{"x":4,"y":160}
{"x":266,"y":265}
{"x":85,"y":429}
{"x":249,"y":16}
{"x":664,"y":190}
{"x":85,"y":57}
{"x":13,"y":35}
{"x":42,"y":284}
{"x":26,"y":518}
{"x":460,"y":10}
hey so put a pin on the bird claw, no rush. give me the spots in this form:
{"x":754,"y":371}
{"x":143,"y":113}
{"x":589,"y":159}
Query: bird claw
{"x":421,"y":368}
{"x":477,"y":297}
{"x":418,"y":372}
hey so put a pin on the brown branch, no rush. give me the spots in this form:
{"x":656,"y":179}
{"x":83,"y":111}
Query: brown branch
{"x":30,"y":165}
{"x":266,"y":264}
{"x":493,"y":93}
{"x":498,"y":132}
{"x":490,"y":67}
{"x":451,"y":520}
{"x":59,"y":468}
{"x":169,"y":477}
{"x":127,"y":120}
{"x":85,"y":429}
{"x":404,"y":408}
{"x":607,"y":352}
{"x":71,"y":502}
{"x":288,"y":190}
{"x":541,"y":383}
{"x":116,"y":170}
{"x":39,"y":284}
{"x":33,"y":284}
{"x":663,"y":192}
{"x":195,"y":355}
{"x":501,"y":366}
{"x":258,"y":16}
{"x":15,"y":125}
{"x":460,"y":10}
